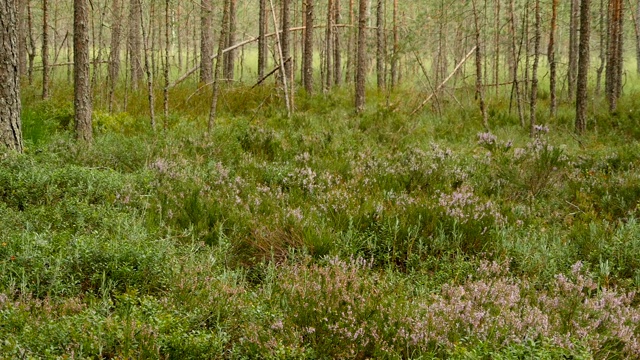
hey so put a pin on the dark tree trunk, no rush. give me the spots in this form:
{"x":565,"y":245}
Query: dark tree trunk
{"x":45,"y":49}
{"x":10,"y":125}
{"x":516,"y":63}
{"x":206,"y":42}
{"x":82,"y":84}
{"x":337,"y":57}
{"x":479,"y":56}
{"x":224,"y":26}
{"x":135,"y":44}
{"x":613,"y":84}
{"x":534,"y":71}
{"x":361,"y":67}
{"x":262,"y":41}
{"x":285,"y":38}
{"x":230,"y":56}
{"x":573,"y":47}
{"x":583,"y":67}
{"x":380,"y":48}
{"x":551,"y":54}
{"x":22,"y":36}
{"x":114,"y":55}
{"x":307,"y":63}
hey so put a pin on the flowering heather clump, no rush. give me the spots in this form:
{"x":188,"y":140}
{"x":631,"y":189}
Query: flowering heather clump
{"x":463,"y":206}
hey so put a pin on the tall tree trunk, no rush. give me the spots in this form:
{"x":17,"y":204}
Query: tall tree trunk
{"x":285,"y":37}
{"x":147,"y":66}
{"x":534,"y":71}
{"x":230,"y":56}
{"x":224,"y":27}
{"x":82,"y":85}
{"x":10,"y":124}
{"x":262,"y":41}
{"x":45,"y":49}
{"x":361,"y":68}
{"x":350,"y":44}
{"x":22,"y":36}
{"x":602,"y":34}
{"x":479,"y":55}
{"x":167,"y":48}
{"x":206,"y":42}
{"x":496,"y":61}
{"x":613,"y":84}
{"x":380,"y":48}
{"x":551,"y":54}
{"x":573,"y":47}
{"x":114,"y":55}
{"x":583,"y":67}
{"x":637,"y":27}
{"x":337,"y":57}
{"x":396,"y":36}
{"x":328,"y":47}
{"x":32,"y":43}
{"x":515,"y":54}
{"x":134,"y":43}
{"x":307,"y":63}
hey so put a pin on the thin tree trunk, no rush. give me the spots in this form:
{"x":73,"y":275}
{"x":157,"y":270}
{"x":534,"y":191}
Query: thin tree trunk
{"x":82,"y":84}
{"x":206,"y":42}
{"x":516,"y":62}
{"x":10,"y":123}
{"x":262,"y":40}
{"x":637,"y":28}
{"x":285,"y":37}
{"x":380,"y":50}
{"x":551,"y":54}
{"x":147,"y":68}
{"x":22,"y":36}
{"x":479,"y":55}
{"x":583,"y":67}
{"x":603,"y":48}
{"x":167,"y":48}
{"x":328,"y":48}
{"x":349,"y":74}
{"x":534,"y":70}
{"x":361,"y":68}
{"x":45,"y":49}
{"x":573,"y":47}
{"x":32,"y":43}
{"x":613,"y":82}
{"x":224,"y":27}
{"x":394,"y":58}
{"x":230,"y":57}
{"x":307,"y":63}
{"x":337,"y":57}
{"x":114,"y":55}
{"x":282,"y":61}
{"x":135,"y":44}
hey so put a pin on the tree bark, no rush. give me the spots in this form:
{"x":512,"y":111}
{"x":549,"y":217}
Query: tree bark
{"x":515,"y":54}
{"x":10,"y":124}
{"x":82,"y":84}
{"x":230,"y":56}
{"x":307,"y":63}
{"x":262,"y":41}
{"x":206,"y":42}
{"x":135,"y":44}
{"x":147,"y":66}
{"x":328,"y":48}
{"x":534,"y":71}
{"x":337,"y":57}
{"x":45,"y":49}
{"x":224,"y":27}
{"x":396,"y":36}
{"x":114,"y":55}
{"x":380,"y":48}
{"x":479,"y":56}
{"x":573,"y":47}
{"x":551,"y":55}
{"x":361,"y":68}
{"x":613,"y":84}
{"x":583,"y":67}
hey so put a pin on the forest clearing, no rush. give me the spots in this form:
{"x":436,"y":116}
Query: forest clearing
{"x":409,"y":180}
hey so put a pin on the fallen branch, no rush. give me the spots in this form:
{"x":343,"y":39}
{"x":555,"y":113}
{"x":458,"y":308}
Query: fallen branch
{"x":269,"y":74}
{"x":444,"y":82}
{"x":241,"y":44}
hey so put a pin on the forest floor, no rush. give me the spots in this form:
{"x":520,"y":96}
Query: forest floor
{"x":324,"y":235}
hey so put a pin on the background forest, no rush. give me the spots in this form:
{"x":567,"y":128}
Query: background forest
{"x":409,"y":180}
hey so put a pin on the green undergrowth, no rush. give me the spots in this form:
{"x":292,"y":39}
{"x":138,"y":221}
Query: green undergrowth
{"x":321,"y":235}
